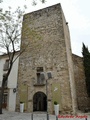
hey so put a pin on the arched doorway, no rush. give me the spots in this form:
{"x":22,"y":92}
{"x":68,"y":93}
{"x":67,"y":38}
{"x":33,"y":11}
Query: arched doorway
{"x":39,"y":102}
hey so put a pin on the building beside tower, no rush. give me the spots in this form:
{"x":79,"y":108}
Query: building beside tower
{"x":9,"y":97}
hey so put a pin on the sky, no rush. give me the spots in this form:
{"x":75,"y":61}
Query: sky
{"x":76,"y":13}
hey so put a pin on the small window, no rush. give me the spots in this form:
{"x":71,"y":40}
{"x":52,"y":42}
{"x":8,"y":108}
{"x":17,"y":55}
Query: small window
{"x":39,"y":71}
{"x":6,"y":81}
{"x":6,"y":65}
{"x":38,"y":78}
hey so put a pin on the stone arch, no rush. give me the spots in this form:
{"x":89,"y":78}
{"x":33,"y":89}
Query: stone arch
{"x":39,"y":101}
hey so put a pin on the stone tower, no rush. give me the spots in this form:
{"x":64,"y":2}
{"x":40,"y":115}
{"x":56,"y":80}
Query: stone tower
{"x":45,"y":35}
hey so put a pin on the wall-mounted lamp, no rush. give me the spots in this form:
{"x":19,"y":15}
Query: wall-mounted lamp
{"x":14,"y":90}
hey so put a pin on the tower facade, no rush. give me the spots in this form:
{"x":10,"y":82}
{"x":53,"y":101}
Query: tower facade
{"x":46,"y":39}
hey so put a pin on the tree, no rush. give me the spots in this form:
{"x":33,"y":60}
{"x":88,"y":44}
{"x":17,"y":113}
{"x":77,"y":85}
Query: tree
{"x":86,"y":62}
{"x":10,"y":33}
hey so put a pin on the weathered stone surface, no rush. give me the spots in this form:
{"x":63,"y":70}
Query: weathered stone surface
{"x":82,"y":98}
{"x":46,"y":35}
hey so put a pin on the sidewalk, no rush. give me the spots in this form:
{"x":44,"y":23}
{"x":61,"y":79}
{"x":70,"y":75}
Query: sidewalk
{"x":24,"y":116}
{"x":27,"y":116}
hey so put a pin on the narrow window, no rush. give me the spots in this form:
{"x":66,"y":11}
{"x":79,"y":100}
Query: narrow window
{"x":6,"y":65}
{"x":39,"y":71}
{"x":6,"y":81}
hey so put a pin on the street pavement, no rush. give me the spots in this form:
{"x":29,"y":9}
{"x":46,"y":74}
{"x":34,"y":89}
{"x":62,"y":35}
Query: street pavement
{"x":37,"y":116}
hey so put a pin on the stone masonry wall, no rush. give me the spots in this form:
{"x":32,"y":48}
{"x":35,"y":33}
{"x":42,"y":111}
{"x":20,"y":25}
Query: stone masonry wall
{"x":82,"y":97}
{"x":70,"y":63}
{"x":43,"y":34}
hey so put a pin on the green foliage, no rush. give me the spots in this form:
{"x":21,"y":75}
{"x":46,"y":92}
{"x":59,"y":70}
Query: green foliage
{"x":55,"y":102}
{"x":86,"y":62}
{"x":21,"y":102}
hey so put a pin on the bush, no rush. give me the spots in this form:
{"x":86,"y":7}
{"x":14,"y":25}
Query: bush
{"x":21,"y":102}
{"x":55,"y":102}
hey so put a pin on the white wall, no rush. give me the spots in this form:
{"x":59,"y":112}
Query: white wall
{"x":12,"y":82}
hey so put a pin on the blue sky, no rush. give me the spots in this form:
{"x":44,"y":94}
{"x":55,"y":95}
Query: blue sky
{"x":76,"y":13}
